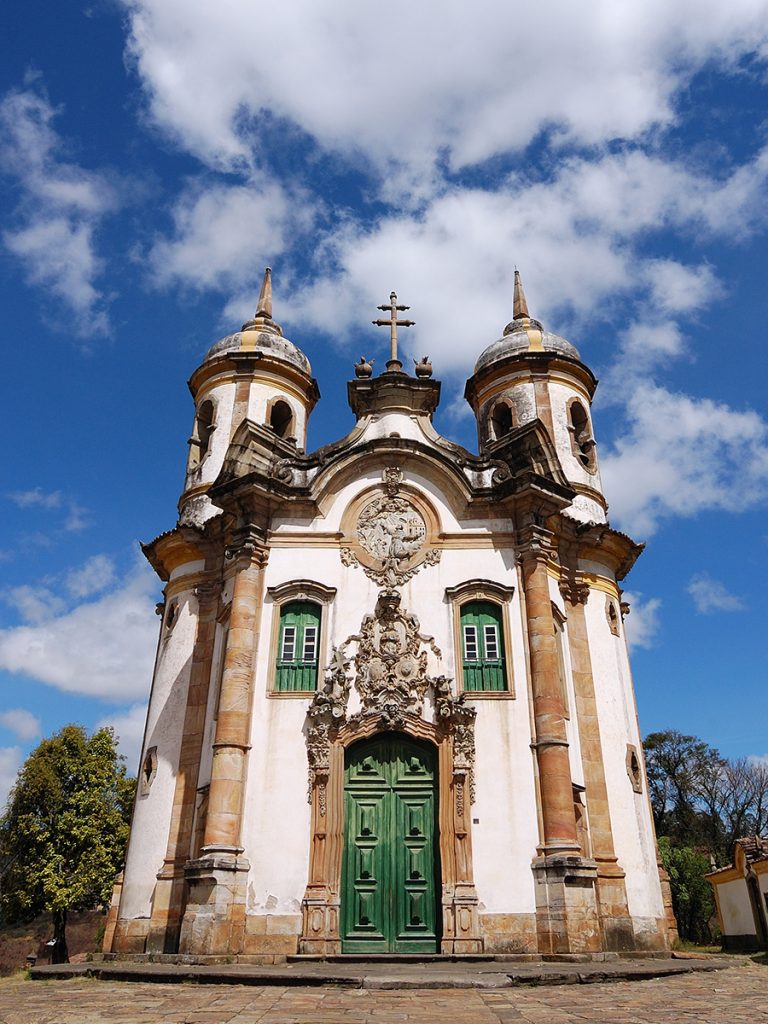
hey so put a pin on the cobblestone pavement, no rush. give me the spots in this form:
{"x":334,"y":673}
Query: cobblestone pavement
{"x":733,"y":996}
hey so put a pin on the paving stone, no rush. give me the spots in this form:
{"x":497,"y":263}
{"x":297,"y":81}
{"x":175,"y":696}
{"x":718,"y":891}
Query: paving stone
{"x":736,"y":995}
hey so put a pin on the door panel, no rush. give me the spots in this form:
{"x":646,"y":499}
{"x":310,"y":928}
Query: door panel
{"x":388,"y":901}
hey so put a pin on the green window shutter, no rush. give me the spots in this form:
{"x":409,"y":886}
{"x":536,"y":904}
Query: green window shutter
{"x":298,"y":647}
{"x":482,"y":647}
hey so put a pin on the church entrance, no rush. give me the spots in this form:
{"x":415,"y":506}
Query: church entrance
{"x":390,"y":871}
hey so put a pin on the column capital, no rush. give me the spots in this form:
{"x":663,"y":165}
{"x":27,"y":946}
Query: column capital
{"x":247,"y":544}
{"x":574,"y":586}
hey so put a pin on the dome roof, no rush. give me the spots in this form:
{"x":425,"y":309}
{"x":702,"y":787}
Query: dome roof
{"x":521,"y":337}
{"x":260,"y":338}
{"x":524,"y":334}
{"x":262,"y":334}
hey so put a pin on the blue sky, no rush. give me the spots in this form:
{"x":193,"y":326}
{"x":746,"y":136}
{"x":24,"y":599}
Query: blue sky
{"x":156,"y":154}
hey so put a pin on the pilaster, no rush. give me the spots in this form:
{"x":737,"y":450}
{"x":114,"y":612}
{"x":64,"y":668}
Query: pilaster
{"x":170,"y":891}
{"x":615,"y":921}
{"x":567,"y":917}
{"x":214,"y":921}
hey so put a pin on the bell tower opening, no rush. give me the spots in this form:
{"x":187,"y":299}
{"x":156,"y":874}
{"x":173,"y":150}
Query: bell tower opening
{"x":281,"y":418}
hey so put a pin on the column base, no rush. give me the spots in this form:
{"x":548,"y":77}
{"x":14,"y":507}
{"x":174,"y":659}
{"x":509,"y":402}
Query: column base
{"x":214,"y":919}
{"x":167,"y":910}
{"x":461,"y":920}
{"x":567,"y":916}
{"x":320,"y":922}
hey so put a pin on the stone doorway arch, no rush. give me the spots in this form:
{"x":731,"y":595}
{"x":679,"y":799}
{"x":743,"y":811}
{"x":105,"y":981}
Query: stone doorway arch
{"x":392,"y":701}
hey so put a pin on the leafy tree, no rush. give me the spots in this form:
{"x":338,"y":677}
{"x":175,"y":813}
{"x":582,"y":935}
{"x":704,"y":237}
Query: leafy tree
{"x":692,"y":896}
{"x":63,"y":835}
{"x":676,"y":766}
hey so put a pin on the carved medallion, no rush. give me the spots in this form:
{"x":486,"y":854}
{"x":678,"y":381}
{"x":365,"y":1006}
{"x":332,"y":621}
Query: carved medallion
{"x":391,"y":529}
{"x":391,"y":536}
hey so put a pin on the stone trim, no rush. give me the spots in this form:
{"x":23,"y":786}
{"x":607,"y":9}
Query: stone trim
{"x":461,"y":931}
{"x":280,"y":595}
{"x":501,"y":596}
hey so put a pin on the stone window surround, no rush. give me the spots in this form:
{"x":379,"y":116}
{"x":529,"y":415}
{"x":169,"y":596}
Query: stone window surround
{"x":495,"y":593}
{"x":285,"y":593}
{"x":614,"y":623}
{"x":634,"y":768}
{"x":576,"y":447}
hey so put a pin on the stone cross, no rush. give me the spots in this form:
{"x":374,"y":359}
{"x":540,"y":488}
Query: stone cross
{"x":394,"y":365}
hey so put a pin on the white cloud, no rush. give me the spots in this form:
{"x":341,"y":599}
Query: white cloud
{"x":680,"y":456}
{"x":710,"y":595}
{"x":36,"y":496}
{"x":576,"y":238}
{"x":759,"y":759}
{"x":95,"y":575}
{"x":59,"y":212}
{"x":642,"y":624}
{"x":10,"y":762}
{"x":211,"y":222}
{"x":102,"y":648}
{"x":21,"y":722}
{"x":466,"y":81}
{"x":34,"y":604}
{"x":129,"y":730}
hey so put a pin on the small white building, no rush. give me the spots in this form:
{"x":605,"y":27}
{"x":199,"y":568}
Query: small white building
{"x":741,"y":895}
{"x":392,"y":709}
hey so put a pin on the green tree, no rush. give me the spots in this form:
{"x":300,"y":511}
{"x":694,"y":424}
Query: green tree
{"x":63,"y":835}
{"x":692,"y":896}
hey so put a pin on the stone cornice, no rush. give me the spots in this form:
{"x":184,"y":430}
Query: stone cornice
{"x":393,"y":392}
{"x":174,"y":548}
{"x":247,"y":363}
{"x":538,"y":364}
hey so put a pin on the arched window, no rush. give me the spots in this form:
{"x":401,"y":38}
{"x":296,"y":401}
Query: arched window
{"x":582,"y":442}
{"x":482,"y":647}
{"x":281,"y":418}
{"x":205,"y":427}
{"x":501,"y":420}
{"x":298,"y":647}
{"x":201,"y":436}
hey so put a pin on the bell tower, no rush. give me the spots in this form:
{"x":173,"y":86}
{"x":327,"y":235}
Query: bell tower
{"x":531,"y":373}
{"x":254,"y":374}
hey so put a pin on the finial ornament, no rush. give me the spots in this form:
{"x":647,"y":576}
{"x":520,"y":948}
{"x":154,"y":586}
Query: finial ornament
{"x":264,"y":305}
{"x":520,"y":306}
{"x":262,"y":318}
{"x":394,"y":365}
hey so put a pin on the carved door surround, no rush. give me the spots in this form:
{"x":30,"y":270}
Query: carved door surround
{"x":389,"y":672}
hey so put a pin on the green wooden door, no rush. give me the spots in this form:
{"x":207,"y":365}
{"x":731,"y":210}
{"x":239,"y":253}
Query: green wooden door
{"x":389,"y":868}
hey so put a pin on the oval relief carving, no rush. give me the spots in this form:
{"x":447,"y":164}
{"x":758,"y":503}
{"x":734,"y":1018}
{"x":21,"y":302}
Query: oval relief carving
{"x":391,"y":528}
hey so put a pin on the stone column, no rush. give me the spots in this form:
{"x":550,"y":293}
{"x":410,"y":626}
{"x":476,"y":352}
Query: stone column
{"x":566,"y":908}
{"x":170,"y":891}
{"x":616,"y":923}
{"x":215,"y":917}
{"x":551,"y":743}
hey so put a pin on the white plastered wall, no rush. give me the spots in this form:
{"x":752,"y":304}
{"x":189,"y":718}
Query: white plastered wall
{"x":736,"y":908}
{"x":277,"y":814}
{"x":629,"y":811}
{"x":165,"y":724}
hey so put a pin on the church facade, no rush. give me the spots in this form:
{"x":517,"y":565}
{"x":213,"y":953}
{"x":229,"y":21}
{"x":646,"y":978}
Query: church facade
{"x":392,"y":709}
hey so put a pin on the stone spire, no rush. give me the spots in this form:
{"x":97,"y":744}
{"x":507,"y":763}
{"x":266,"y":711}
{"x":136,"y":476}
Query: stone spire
{"x":521,"y":320}
{"x":520,"y":306}
{"x":262,"y":318}
{"x":264,"y":305}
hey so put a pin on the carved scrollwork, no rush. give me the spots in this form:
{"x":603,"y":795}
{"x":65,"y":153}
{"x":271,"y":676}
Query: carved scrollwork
{"x":392,"y":680}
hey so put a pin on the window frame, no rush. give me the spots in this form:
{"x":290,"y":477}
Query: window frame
{"x":293,"y":591}
{"x":483,"y":591}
